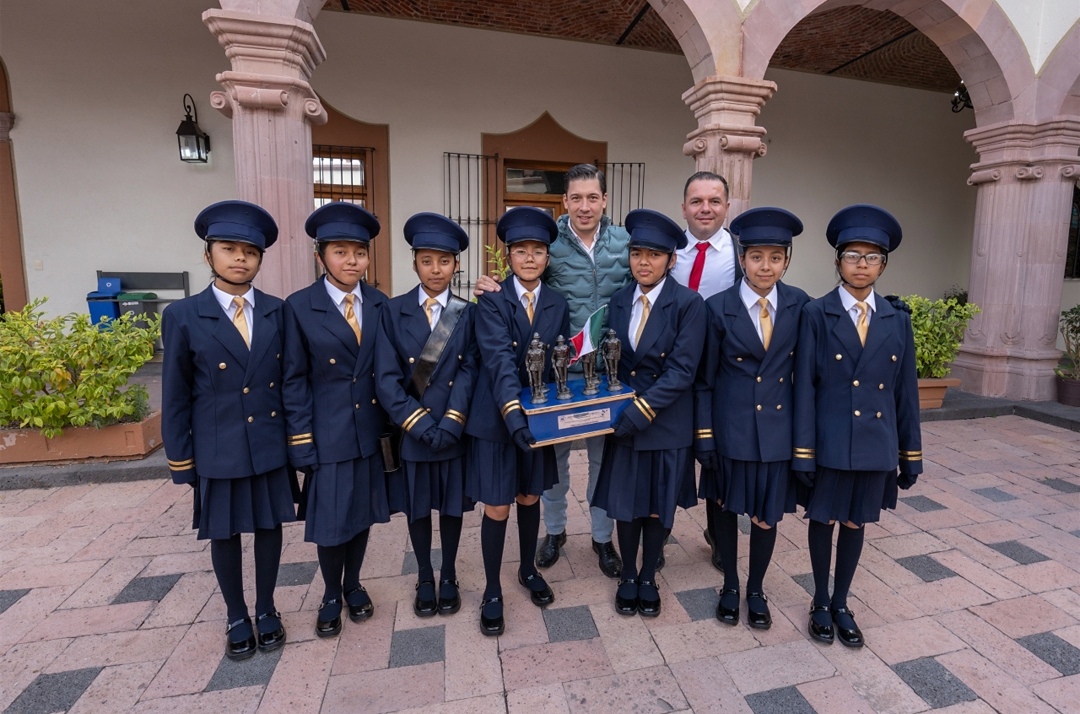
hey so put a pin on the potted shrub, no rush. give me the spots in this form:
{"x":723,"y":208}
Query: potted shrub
{"x":64,"y":385}
{"x":1068,"y":371}
{"x":939,"y":329}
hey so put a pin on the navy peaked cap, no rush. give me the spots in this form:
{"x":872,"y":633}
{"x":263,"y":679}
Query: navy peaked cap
{"x":864,"y":223}
{"x":766,"y":226}
{"x":653,"y":229}
{"x":237,"y":221}
{"x":527,"y":223}
{"x":340,"y":220}
{"x":432,"y":231}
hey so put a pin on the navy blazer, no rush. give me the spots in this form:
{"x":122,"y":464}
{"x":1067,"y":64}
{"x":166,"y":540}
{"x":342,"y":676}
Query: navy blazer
{"x":330,"y":404}
{"x":856,"y":407}
{"x":663,"y":367}
{"x":403,"y":332}
{"x":743,"y":396}
{"x":221,"y":403}
{"x":503,"y":333}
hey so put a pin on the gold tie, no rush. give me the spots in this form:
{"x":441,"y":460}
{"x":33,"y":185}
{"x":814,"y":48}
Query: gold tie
{"x":529,"y":306}
{"x":350,"y":316}
{"x":240,"y":320}
{"x":766,"y":323}
{"x":644,"y":319}
{"x":429,"y":308}
{"x":863,"y":325}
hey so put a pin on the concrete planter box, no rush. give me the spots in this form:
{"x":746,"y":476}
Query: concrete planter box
{"x":119,"y":441}
{"x":932,"y":391}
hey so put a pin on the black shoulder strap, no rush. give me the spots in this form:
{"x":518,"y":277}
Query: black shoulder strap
{"x":436,"y":343}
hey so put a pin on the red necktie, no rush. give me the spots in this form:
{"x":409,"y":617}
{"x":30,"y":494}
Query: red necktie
{"x":699,"y":264}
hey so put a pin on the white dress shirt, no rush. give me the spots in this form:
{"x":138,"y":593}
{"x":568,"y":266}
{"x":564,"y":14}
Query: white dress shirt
{"x":853,"y":310}
{"x":226,"y":301}
{"x":719,"y":272}
{"x":637,"y":308}
{"x":521,"y":290}
{"x":338,"y":298}
{"x":750,"y":300}
{"x":436,"y":309}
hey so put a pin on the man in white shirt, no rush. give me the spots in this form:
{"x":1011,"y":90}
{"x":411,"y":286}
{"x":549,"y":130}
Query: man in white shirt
{"x":709,"y":263}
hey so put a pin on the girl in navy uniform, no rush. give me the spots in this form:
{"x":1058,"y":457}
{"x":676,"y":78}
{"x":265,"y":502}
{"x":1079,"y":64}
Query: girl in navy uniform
{"x":648,"y":465}
{"x":425,"y":370}
{"x":503,"y":467}
{"x":856,"y":411}
{"x":222,"y":417}
{"x":744,"y":404}
{"x":334,"y":418}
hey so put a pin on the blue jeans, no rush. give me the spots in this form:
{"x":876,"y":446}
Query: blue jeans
{"x":554,"y":499}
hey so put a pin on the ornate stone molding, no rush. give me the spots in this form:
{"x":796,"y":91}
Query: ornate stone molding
{"x":726,"y":109}
{"x":7,"y":121}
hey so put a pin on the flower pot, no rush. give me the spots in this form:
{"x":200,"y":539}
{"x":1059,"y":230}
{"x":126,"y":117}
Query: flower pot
{"x":117,"y":441}
{"x":1068,"y":391}
{"x":932,"y":391}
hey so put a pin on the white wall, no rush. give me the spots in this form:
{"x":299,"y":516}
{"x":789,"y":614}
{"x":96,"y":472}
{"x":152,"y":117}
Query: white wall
{"x":833,"y":142}
{"x":97,"y":89}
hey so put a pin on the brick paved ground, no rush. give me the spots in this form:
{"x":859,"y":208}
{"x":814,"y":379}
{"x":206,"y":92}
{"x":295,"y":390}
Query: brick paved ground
{"x":968,"y":594}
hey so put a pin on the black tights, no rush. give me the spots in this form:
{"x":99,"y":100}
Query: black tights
{"x":340,"y":565}
{"x":652,"y":534}
{"x":225,"y":554}
{"x":449,"y":537}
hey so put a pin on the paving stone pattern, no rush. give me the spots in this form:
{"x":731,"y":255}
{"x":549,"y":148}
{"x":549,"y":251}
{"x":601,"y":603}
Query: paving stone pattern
{"x":968,"y":595}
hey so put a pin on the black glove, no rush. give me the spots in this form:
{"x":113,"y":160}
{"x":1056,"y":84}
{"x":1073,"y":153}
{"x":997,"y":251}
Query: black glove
{"x":524,"y":439}
{"x":428,"y":437}
{"x":442,"y":440}
{"x":898,"y":303}
{"x":708,"y":458}
{"x":806,"y":478}
{"x":624,"y":426}
{"x":906,"y":481}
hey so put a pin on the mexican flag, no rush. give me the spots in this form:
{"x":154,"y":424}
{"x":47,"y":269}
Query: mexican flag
{"x":588,"y":340}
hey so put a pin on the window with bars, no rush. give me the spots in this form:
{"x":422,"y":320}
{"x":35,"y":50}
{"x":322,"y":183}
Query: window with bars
{"x":1072,"y":257}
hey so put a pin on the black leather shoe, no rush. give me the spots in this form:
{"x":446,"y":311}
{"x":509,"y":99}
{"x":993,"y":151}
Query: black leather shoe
{"x":360,"y":605}
{"x":715,"y":559}
{"x":328,"y":623}
{"x":270,"y":641}
{"x":237,"y":649}
{"x":491,"y":617}
{"x":538,"y":589}
{"x":626,"y":597}
{"x":648,"y":599}
{"x":426,"y":603}
{"x":728,"y":615}
{"x":821,"y":633}
{"x":610,"y":562}
{"x":757,"y":611}
{"x":548,"y":553}
{"x":847,"y":631}
{"x":449,"y":597}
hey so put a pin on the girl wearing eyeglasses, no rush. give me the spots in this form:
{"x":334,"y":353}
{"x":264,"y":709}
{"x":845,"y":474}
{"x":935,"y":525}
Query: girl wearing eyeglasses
{"x":856,"y":411}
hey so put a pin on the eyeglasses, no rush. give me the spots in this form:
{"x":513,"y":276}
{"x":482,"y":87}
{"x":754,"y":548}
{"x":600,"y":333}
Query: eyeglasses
{"x":524,"y":253}
{"x":852,"y":257}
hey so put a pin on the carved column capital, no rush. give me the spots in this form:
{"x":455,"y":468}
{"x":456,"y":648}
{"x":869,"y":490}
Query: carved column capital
{"x":727,"y":109}
{"x":272,"y":59}
{"x":1021,"y":151}
{"x":7,"y":121}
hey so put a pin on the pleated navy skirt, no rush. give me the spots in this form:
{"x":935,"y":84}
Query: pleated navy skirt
{"x":765,"y":491}
{"x":224,"y":507}
{"x":434,"y":486}
{"x":496,"y":472}
{"x":637,"y":484}
{"x":344,"y":499}
{"x":850,"y":496}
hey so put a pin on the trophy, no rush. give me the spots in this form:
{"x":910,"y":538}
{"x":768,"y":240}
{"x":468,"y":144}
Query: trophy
{"x":535,"y":357}
{"x":592,"y":382}
{"x":611,"y":351}
{"x":560,"y":363}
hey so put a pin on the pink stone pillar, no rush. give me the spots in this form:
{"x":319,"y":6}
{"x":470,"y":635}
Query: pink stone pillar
{"x":268,"y":98}
{"x":1025,"y":178}
{"x":727,"y":139}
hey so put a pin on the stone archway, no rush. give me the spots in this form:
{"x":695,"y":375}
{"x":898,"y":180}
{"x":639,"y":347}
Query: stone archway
{"x":1059,"y":80}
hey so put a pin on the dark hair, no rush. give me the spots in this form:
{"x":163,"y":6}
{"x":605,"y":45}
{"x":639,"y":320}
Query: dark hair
{"x":585,"y":172}
{"x":706,"y":176}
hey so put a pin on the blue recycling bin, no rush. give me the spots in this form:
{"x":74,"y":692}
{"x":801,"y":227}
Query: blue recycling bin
{"x":102,"y":303}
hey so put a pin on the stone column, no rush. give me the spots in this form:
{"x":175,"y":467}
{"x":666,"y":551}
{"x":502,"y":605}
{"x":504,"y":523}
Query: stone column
{"x":268,"y":98}
{"x":11,"y":254}
{"x":727,"y":139}
{"x":1025,"y":178}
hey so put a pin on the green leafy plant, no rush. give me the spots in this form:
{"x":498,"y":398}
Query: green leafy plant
{"x":939,"y":329}
{"x":497,"y":258}
{"x":1069,"y":325}
{"x":65,"y":371}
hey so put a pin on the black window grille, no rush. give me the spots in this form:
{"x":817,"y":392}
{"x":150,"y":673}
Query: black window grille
{"x":343,"y":173}
{"x":470,"y":199}
{"x":1072,"y":257}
